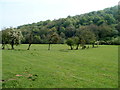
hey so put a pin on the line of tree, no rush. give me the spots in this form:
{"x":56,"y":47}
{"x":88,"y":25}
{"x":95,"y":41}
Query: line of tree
{"x":99,"y":26}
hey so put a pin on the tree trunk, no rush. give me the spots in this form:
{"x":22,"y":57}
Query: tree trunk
{"x":12,"y":45}
{"x":29,"y":47}
{"x":71,"y":47}
{"x":77,"y":47}
{"x":93,"y":45}
{"x":49,"y":47}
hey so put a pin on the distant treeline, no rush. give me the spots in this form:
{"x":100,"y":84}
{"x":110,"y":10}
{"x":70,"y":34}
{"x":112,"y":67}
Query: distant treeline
{"x":102,"y":26}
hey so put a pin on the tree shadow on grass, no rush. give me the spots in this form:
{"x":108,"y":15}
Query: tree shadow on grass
{"x":64,"y":50}
{"x":20,"y":50}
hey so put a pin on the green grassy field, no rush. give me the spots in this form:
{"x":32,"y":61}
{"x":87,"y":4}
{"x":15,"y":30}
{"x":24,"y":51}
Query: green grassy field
{"x":60,"y":67}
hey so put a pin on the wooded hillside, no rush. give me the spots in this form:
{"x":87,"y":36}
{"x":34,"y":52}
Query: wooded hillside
{"x":103,"y":25}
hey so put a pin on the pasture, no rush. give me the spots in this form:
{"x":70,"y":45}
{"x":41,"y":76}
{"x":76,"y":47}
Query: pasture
{"x":60,"y":67}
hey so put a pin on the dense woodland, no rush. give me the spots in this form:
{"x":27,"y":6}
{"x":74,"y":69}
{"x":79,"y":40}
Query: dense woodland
{"x":101,"y":27}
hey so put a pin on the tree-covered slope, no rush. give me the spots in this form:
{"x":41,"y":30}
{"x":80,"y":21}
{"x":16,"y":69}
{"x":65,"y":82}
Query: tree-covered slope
{"x":104,"y":24}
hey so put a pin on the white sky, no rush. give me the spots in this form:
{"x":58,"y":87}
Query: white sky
{"x":19,"y":12}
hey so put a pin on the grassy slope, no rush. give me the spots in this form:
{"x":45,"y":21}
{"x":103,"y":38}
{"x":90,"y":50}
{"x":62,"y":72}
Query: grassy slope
{"x":61,"y":68}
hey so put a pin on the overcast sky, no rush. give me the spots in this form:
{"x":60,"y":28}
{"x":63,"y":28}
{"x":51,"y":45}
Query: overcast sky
{"x":18,"y":12}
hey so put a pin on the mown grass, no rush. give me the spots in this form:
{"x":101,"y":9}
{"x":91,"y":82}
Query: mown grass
{"x":60,"y":67}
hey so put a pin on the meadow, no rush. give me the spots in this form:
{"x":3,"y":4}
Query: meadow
{"x":60,"y":67}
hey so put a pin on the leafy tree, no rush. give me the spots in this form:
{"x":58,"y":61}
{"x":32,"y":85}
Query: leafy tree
{"x":77,"y":42}
{"x":115,"y":41}
{"x":70,"y":31}
{"x":70,"y":42}
{"x":110,"y":19}
{"x":30,"y":39}
{"x":37,"y":39}
{"x":85,"y":35}
{"x":62,"y":38}
{"x":62,"y":35}
{"x":5,"y":38}
{"x":118,"y":28}
{"x":15,"y":37}
{"x":53,"y":38}
{"x":105,"y":31}
{"x":61,"y":30}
